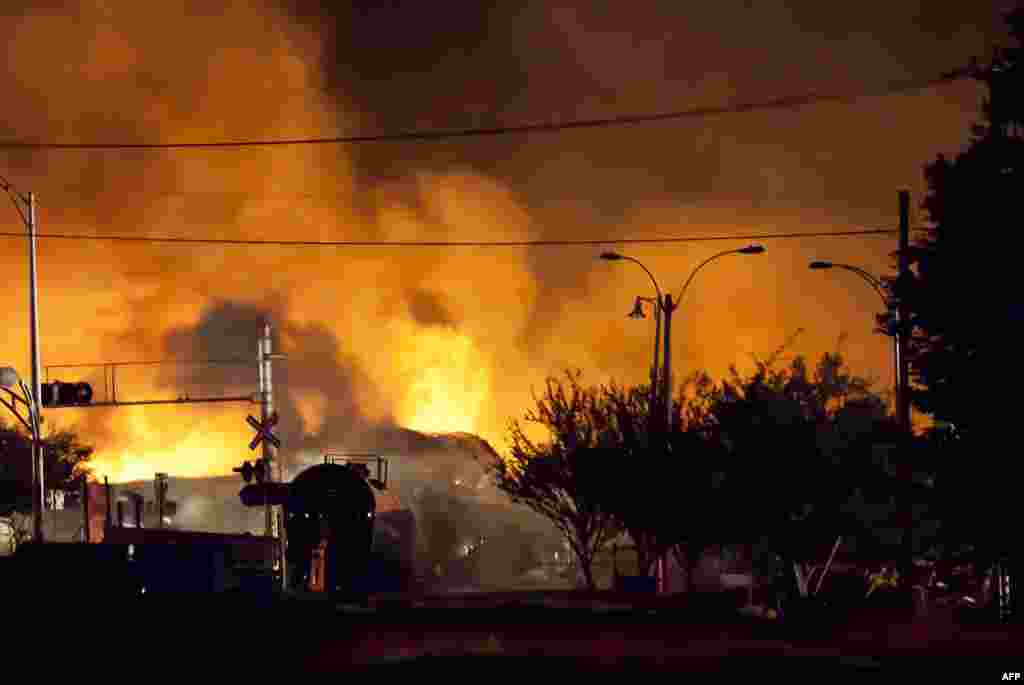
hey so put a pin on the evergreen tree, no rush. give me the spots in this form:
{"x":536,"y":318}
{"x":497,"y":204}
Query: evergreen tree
{"x":967,"y":309}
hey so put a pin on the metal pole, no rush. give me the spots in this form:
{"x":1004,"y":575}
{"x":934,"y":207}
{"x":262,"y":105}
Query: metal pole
{"x":107,"y":521}
{"x":85,"y":511}
{"x":38,"y":467}
{"x":266,"y":401}
{"x":667,"y":398}
{"x":654,"y":365}
{"x":896,"y":365}
{"x":903,"y":330}
{"x":903,"y":415}
{"x":161,"y":497}
{"x":275,"y":527}
{"x":667,"y":366}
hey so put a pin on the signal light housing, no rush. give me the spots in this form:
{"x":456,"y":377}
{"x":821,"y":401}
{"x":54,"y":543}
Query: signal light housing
{"x":57,"y":394}
{"x":261,"y":471}
{"x":246,"y":470}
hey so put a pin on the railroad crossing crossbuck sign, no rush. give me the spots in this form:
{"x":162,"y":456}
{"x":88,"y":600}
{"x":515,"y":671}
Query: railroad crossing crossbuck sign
{"x":263,"y":431}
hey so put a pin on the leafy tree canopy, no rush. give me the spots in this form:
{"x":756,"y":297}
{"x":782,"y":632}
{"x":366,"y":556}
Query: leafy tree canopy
{"x":65,"y":457}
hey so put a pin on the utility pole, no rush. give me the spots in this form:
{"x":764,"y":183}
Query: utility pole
{"x":38,"y":467}
{"x":903,"y":320}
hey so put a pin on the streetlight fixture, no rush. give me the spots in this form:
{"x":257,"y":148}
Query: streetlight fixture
{"x":9,"y":378}
{"x":899,"y":383}
{"x":638,"y":309}
{"x":25,"y":204}
{"x":638,"y":313}
{"x":665,"y":309}
{"x":669,"y":308}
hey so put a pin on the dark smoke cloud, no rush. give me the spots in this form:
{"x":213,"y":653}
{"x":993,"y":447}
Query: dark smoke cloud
{"x":429,"y":309}
{"x":229,"y":330}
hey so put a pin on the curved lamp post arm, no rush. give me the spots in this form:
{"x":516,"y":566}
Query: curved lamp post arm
{"x":699,"y":267}
{"x":649,"y":274}
{"x":874,"y":282}
{"x":14,"y":195}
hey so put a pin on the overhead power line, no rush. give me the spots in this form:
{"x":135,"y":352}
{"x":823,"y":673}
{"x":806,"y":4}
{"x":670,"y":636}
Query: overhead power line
{"x":456,"y":243}
{"x":782,"y":103}
{"x":159,"y":362}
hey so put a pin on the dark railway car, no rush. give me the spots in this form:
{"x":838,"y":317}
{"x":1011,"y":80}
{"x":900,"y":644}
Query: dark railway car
{"x":330,"y":516}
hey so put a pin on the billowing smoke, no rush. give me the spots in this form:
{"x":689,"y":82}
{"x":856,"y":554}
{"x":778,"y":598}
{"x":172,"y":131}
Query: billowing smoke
{"x":428,"y":309}
{"x":313,"y":367}
{"x":387,"y":344}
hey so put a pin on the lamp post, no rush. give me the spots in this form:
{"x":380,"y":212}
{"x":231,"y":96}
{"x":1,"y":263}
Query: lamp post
{"x":666,"y":308}
{"x":899,"y":382}
{"x":9,"y":378}
{"x":669,"y":307}
{"x":638,"y":313}
{"x":25,"y":204}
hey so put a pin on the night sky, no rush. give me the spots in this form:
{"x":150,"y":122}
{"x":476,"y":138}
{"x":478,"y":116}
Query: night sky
{"x":453,"y":339}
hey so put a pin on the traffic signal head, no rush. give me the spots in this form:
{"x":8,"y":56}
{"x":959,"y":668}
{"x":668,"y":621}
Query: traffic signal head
{"x":59,"y":394}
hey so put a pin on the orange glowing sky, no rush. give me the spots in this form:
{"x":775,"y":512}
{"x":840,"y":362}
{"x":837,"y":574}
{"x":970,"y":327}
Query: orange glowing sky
{"x":453,"y":340}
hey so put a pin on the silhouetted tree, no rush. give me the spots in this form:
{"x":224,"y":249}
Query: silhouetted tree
{"x":554,"y":477}
{"x":967,"y":311}
{"x":67,"y":465}
{"x":797,"y":453}
{"x":641,"y":478}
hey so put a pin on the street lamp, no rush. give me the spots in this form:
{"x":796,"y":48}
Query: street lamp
{"x":669,"y":308}
{"x":899,"y":383}
{"x":638,"y":313}
{"x":666,"y":307}
{"x":9,"y":378}
{"x":25,"y":204}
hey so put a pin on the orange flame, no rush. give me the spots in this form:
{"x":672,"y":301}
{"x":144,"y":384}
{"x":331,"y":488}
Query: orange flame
{"x":447,"y":383}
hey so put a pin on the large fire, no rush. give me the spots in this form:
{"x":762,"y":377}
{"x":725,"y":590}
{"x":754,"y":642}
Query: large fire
{"x":161,"y":439}
{"x":447,"y":383}
{"x":503,"y":319}
{"x":443,"y":385}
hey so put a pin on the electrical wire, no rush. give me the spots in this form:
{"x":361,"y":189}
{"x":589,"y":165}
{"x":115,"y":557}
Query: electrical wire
{"x":790,"y":102}
{"x":453,"y":243}
{"x":192,"y":362}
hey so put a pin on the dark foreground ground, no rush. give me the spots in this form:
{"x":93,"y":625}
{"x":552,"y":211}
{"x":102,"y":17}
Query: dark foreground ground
{"x":490,"y":634}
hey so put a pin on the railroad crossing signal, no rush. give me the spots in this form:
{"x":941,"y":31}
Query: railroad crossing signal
{"x":262,"y":494}
{"x":263,"y":432}
{"x":260,"y":470}
{"x":246,"y":470}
